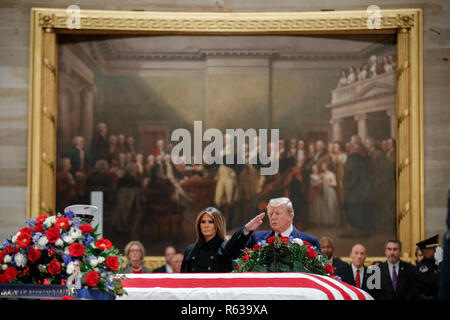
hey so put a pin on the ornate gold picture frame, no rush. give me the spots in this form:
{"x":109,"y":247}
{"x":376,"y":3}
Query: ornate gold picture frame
{"x":46,"y":24}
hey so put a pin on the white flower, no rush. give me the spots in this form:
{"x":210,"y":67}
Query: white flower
{"x":70,"y":267}
{"x":68,"y":239}
{"x":20,"y":259}
{"x":4,"y":267}
{"x":298,"y":241}
{"x":50,"y":221}
{"x":42,"y":243}
{"x":14,"y":237}
{"x":93,"y":263}
{"x":75,"y":233}
{"x":59,"y":243}
{"x":97,"y":269}
{"x":42,"y":268}
{"x":7,"y":259}
{"x":101,"y":259}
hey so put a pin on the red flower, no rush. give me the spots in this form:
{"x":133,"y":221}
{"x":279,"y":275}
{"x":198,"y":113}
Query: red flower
{"x":34,"y":255}
{"x":329,"y":268}
{"x":53,"y":234}
{"x":76,"y":250}
{"x":306,"y":244}
{"x":25,"y":230}
{"x":41,"y":219}
{"x":311,"y":253}
{"x":103,"y":244}
{"x":284,"y":240}
{"x":256,"y":247}
{"x":62,"y":223}
{"x":24,"y":239}
{"x":246,"y":257}
{"x":38,"y":227}
{"x":237,"y":267}
{"x":11,"y":250}
{"x":2,"y":256}
{"x":3,"y":278}
{"x":270,"y":240}
{"x":112,"y":262}
{"x":54,"y":267}
{"x":91,"y":278}
{"x":86,"y":228}
{"x":10,"y":273}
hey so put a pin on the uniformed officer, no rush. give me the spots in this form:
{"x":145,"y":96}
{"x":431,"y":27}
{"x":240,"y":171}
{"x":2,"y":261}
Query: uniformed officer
{"x":427,"y":271}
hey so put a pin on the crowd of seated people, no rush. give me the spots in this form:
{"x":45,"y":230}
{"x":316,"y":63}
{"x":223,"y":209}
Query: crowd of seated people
{"x":373,"y":67}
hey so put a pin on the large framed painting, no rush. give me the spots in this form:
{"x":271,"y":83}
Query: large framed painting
{"x":129,"y":103}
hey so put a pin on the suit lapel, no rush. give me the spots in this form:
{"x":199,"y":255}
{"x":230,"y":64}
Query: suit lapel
{"x":387,"y":278}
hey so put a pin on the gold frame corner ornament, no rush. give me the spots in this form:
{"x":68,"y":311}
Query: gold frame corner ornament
{"x":47,"y":23}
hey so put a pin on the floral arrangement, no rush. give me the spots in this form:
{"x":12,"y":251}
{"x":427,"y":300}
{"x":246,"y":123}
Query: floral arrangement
{"x":283,"y":254}
{"x":62,"y":249}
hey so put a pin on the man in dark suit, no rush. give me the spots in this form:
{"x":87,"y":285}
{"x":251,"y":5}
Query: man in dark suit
{"x":397,"y":277}
{"x":281,"y":215}
{"x":340,"y":267}
{"x":167,"y":268}
{"x":357,"y":274}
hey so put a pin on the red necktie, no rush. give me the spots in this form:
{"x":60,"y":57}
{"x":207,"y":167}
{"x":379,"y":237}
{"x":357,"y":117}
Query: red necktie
{"x":357,"y":280}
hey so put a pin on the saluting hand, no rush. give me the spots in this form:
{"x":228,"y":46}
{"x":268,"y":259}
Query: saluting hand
{"x":254,"y":224}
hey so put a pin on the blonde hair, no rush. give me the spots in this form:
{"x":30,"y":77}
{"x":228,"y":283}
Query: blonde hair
{"x":218,"y":219}
{"x":128,"y":248}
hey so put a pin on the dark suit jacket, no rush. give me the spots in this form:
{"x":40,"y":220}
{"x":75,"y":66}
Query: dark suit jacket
{"x":160,"y":269}
{"x":239,"y":241}
{"x":347,"y":277}
{"x":405,"y":283}
{"x":340,"y":267}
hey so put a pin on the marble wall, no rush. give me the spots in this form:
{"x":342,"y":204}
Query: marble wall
{"x":14,"y":85}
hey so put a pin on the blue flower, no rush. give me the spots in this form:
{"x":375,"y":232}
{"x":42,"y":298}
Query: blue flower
{"x":69,"y":214}
{"x":89,"y":240}
{"x":5,"y":243}
{"x":36,"y":237}
{"x":67,"y":259}
{"x":76,"y":222}
{"x":31,"y":222}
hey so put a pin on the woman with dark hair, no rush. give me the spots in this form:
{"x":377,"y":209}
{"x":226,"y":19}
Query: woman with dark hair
{"x":208,"y":253}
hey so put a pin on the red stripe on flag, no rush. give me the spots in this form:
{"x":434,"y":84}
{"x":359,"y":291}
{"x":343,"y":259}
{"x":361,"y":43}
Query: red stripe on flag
{"x":345,"y":295}
{"x":360,"y":295}
{"x":226,"y":283}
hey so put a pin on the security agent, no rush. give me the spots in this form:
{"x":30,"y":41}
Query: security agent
{"x":427,"y":271}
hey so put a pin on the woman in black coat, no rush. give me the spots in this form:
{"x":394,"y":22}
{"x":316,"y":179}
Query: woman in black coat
{"x":208,"y":253}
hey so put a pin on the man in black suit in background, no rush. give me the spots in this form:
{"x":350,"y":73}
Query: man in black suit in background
{"x":357,"y":274}
{"x":169,"y":253}
{"x":397,"y":277}
{"x":340,"y":267}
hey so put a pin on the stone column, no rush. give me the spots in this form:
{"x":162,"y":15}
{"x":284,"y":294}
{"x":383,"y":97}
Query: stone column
{"x":393,"y":121}
{"x":362,"y":126}
{"x":337,"y":128}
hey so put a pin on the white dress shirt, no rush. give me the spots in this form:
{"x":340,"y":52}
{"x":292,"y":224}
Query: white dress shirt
{"x":361,"y":274}
{"x":397,"y":268}
{"x":287,"y":232}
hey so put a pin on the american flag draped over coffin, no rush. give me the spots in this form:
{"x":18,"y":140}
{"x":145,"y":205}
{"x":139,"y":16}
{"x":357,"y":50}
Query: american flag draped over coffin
{"x":238,"y":286}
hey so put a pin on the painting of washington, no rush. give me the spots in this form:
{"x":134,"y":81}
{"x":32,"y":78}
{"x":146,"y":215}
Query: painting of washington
{"x":330,"y":98}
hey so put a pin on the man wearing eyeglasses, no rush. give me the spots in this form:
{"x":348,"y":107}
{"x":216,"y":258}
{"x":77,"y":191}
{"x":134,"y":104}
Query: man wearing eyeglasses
{"x":281,"y":215}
